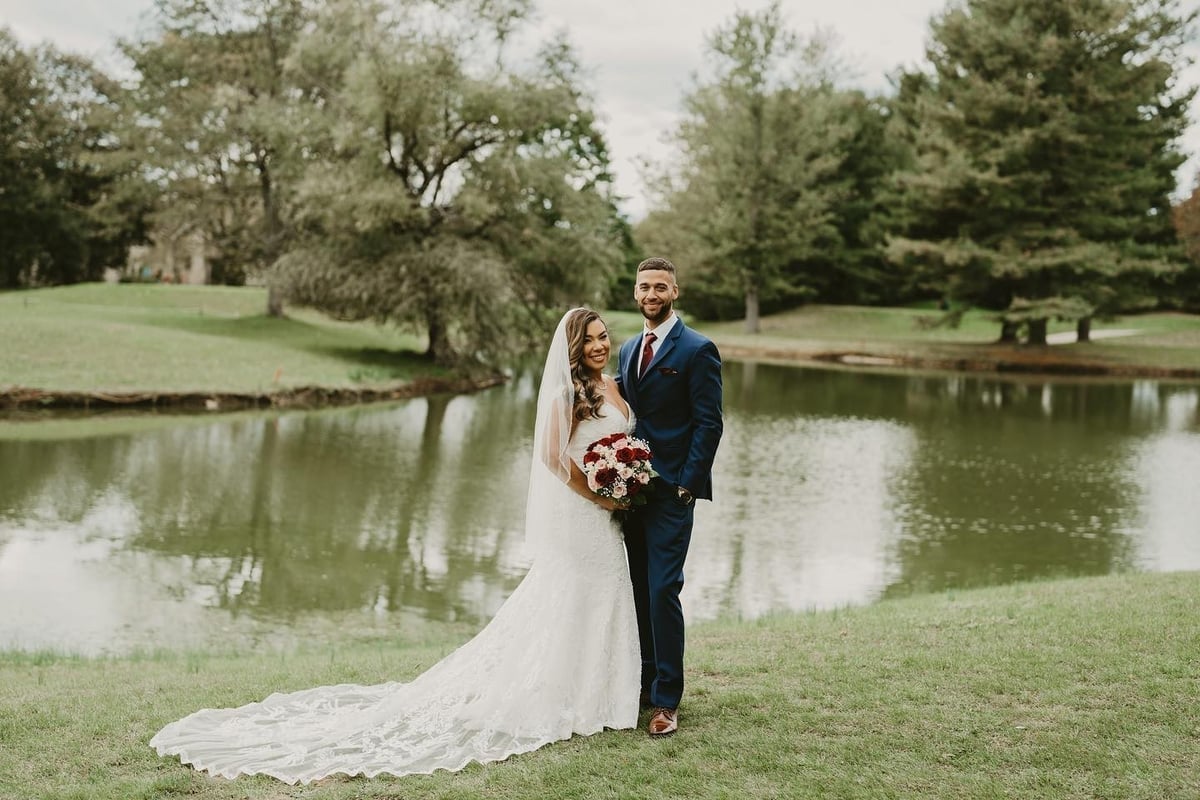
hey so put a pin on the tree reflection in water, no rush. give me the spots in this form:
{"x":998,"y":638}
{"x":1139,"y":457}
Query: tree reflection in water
{"x":832,"y":488}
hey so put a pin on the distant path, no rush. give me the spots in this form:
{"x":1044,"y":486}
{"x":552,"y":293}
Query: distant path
{"x":1069,"y":337}
{"x":983,"y":357}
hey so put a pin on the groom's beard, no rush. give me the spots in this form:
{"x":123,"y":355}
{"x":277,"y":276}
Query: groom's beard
{"x":663,"y":310}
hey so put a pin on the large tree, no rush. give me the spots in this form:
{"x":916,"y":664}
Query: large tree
{"x":1045,"y":135}
{"x":204,"y":109}
{"x":66,"y":211}
{"x":751,"y":196}
{"x":448,"y":184}
{"x":851,"y":267}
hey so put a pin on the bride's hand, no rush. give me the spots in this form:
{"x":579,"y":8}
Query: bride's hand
{"x":608,"y":504}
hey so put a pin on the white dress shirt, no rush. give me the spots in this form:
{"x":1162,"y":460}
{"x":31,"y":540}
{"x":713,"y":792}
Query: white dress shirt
{"x":660,"y":335}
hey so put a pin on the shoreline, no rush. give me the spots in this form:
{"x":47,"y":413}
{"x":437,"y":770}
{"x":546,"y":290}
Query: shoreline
{"x":1009,"y":360}
{"x":448,"y":635}
{"x":989,"y":359}
{"x":169,"y":349}
{"x":20,"y":398}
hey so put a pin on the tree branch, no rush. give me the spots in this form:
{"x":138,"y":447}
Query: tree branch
{"x":387,"y":144}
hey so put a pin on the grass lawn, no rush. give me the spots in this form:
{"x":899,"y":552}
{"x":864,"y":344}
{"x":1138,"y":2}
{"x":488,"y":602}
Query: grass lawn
{"x":177,"y":339}
{"x":167,"y":338}
{"x":1083,"y":688}
{"x":1165,"y":340}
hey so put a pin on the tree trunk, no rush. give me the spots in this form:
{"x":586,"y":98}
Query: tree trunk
{"x":1037,"y":331}
{"x":272,"y":230}
{"x":1008,"y":332}
{"x":274,"y":300}
{"x":752,"y":310}
{"x":440,"y":351}
{"x":753,"y":265}
{"x":1083,"y":329}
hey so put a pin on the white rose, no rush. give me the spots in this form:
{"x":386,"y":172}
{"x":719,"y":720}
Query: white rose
{"x":618,"y":490}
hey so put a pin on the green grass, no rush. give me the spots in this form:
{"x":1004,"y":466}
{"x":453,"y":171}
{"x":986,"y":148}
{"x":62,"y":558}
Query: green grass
{"x":842,"y":323}
{"x":1082,"y":688}
{"x":175,"y":339}
{"x":122,"y":338}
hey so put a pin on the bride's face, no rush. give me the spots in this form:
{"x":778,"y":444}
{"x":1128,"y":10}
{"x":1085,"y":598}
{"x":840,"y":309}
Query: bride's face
{"x":595,"y":347}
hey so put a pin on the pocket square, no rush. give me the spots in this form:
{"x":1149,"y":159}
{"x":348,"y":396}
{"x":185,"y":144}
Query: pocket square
{"x":668,"y":371}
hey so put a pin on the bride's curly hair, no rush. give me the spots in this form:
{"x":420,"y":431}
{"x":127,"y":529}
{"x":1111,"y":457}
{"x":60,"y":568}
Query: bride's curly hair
{"x":589,"y":392}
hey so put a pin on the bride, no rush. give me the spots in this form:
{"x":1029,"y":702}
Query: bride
{"x":559,"y":658}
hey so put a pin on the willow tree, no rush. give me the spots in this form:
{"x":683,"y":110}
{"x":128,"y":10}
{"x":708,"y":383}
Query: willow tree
{"x":448,"y":183}
{"x":1046,"y":149}
{"x":752,"y":191}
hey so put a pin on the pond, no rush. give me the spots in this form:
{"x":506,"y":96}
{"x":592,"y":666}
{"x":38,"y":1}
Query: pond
{"x":833,"y":488}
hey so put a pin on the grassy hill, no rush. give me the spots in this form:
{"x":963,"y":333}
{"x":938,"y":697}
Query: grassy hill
{"x":114,"y":338}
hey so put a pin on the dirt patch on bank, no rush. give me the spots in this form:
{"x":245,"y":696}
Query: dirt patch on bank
{"x":17,"y":398}
{"x":993,"y":359}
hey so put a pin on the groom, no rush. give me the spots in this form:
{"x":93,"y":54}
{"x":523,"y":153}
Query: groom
{"x":671,"y":377}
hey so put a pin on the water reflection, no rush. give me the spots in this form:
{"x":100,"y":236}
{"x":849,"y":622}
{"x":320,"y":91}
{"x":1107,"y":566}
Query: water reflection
{"x":833,"y":488}
{"x":272,"y":517}
{"x":1169,"y":494}
{"x":803,"y":514}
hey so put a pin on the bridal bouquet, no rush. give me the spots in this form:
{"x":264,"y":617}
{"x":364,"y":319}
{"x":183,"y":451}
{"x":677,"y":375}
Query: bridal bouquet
{"x":618,"y":467}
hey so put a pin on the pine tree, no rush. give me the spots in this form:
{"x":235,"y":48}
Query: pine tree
{"x":1045,"y":136}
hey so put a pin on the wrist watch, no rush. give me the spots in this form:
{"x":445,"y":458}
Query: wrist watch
{"x":684,"y":495}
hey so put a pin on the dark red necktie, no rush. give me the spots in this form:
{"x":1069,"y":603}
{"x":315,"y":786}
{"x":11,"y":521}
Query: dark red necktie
{"x":647,"y":352}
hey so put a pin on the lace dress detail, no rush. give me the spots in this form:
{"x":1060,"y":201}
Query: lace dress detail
{"x":559,"y":658}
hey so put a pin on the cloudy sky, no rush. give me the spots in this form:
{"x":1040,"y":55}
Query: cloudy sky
{"x":641,"y":53}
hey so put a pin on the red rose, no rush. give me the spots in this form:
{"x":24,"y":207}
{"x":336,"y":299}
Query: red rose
{"x":625,"y":455}
{"x":640,"y":454}
{"x":606,"y":476}
{"x":590,"y":457}
{"x":632,"y":488}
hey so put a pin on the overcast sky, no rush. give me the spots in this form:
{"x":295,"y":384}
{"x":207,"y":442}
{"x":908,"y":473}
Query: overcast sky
{"x":641,"y":54}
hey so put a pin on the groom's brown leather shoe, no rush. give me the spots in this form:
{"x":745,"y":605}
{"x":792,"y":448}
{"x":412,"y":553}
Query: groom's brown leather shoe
{"x":664,"y":721}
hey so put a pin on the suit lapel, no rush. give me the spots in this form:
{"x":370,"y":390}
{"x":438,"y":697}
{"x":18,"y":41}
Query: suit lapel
{"x":631,"y":376}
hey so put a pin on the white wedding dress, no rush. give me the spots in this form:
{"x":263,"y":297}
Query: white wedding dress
{"x":559,"y":658}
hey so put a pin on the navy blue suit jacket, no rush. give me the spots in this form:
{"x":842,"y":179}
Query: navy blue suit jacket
{"x":678,"y":405}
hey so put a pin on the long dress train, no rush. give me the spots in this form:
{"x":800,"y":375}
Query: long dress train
{"x":559,"y":658}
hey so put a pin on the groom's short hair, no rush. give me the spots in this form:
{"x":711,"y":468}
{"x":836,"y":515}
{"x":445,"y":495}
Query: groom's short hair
{"x":657,"y":262}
